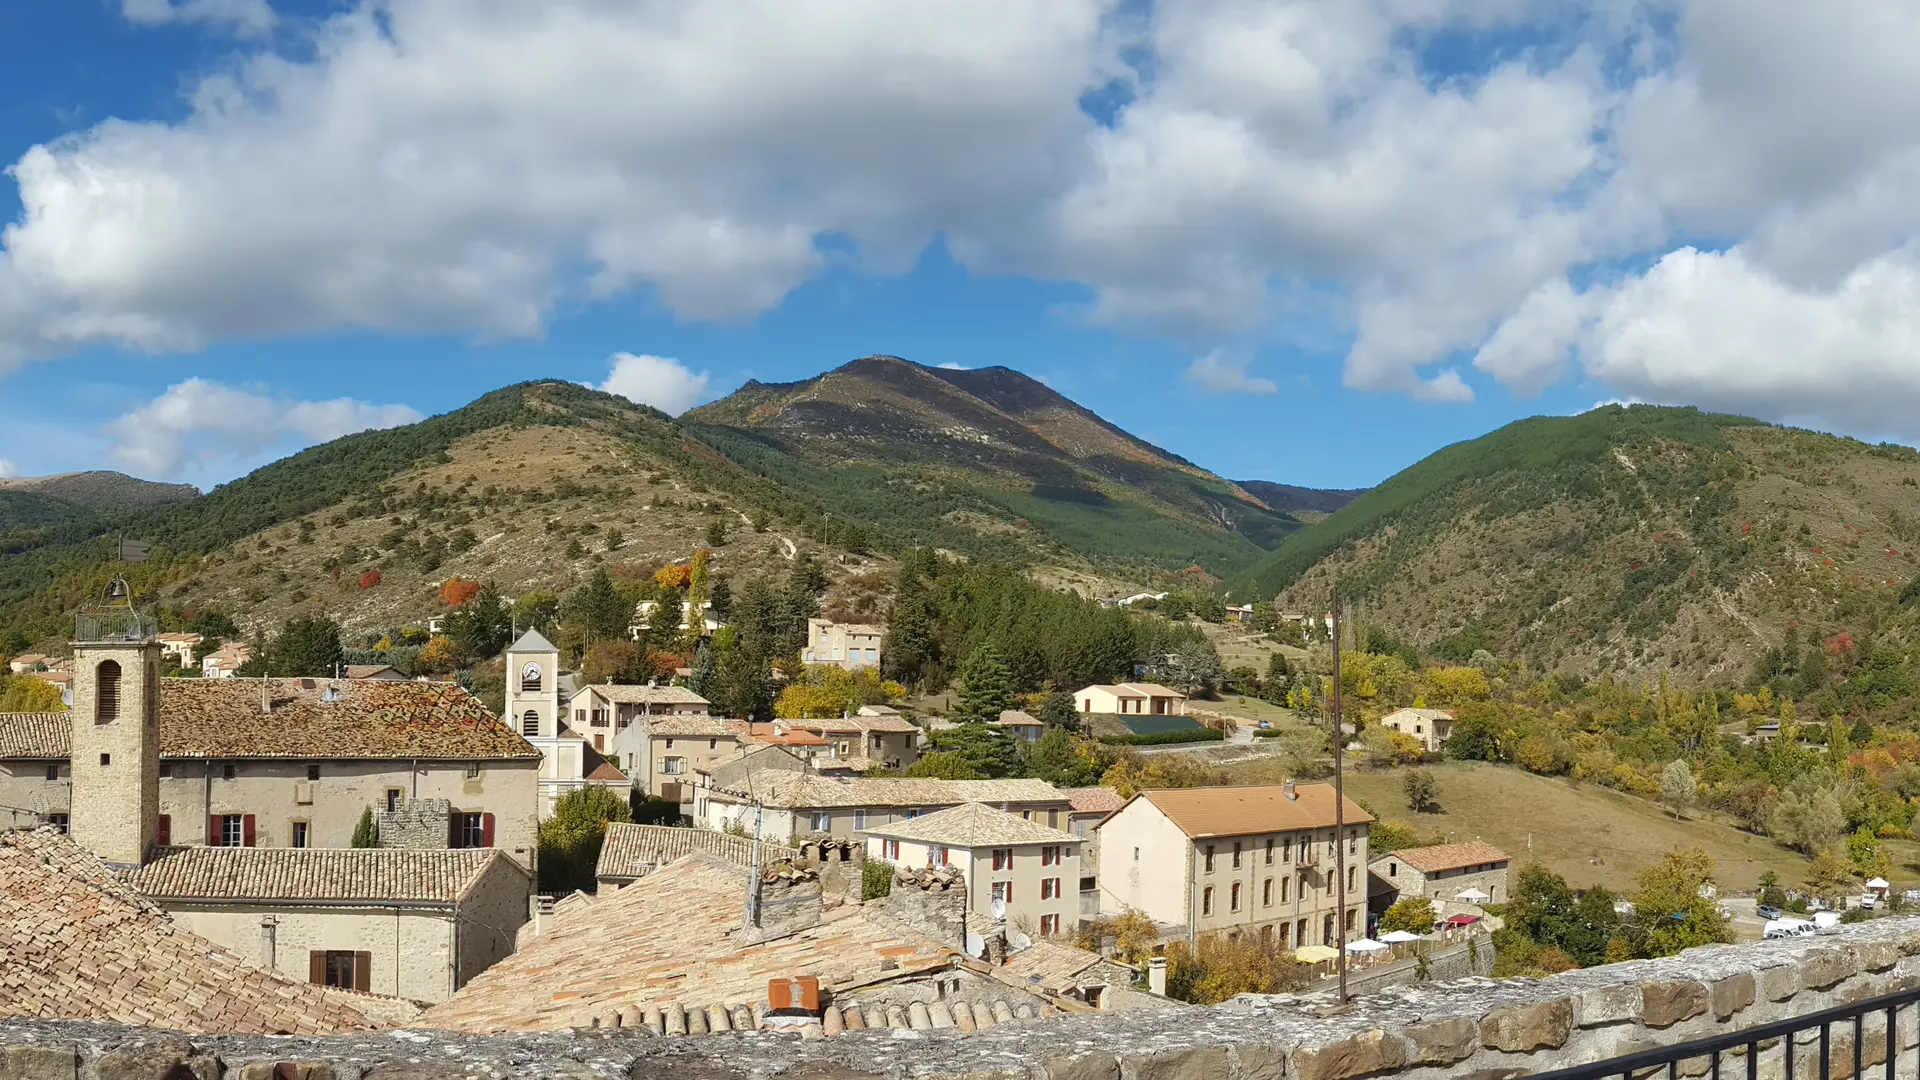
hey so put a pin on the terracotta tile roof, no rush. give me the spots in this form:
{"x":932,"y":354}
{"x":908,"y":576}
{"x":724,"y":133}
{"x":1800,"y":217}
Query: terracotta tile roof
{"x":606,"y":772}
{"x":646,"y":695}
{"x":221,"y":718}
{"x":386,"y":875}
{"x":844,"y":766}
{"x":81,"y":945}
{"x":676,"y":944}
{"x":972,"y":825}
{"x":786,"y":790}
{"x":1017,"y":718}
{"x":688,"y":727}
{"x":632,"y":851}
{"x":894,"y":723}
{"x":780,"y":734}
{"x":36,"y":736}
{"x":367,"y":671}
{"x":1432,"y":860}
{"x":1054,"y":966}
{"x":1094,"y":800}
{"x":1244,"y":811}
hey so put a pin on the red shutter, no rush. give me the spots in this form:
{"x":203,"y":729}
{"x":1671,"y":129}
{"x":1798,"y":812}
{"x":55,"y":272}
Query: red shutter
{"x":246,"y":830}
{"x":317,"y":967}
{"x":486,"y":830}
{"x":213,"y":831}
{"x":163,"y":831}
{"x":362,"y":970}
{"x":453,"y":828}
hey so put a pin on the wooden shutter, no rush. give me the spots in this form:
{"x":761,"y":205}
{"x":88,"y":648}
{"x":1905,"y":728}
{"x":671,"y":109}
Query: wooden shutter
{"x":213,"y":831}
{"x":454,"y":821}
{"x":486,"y":830}
{"x":362,"y":970}
{"x":246,"y":830}
{"x":163,"y":831}
{"x":317,"y":967}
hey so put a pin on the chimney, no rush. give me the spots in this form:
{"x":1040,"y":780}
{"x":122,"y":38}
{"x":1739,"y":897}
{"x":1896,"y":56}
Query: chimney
{"x":1287,"y":790}
{"x":788,"y":902}
{"x":1157,"y":976}
{"x":932,"y":901}
{"x":266,"y":697}
{"x":268,"y":930}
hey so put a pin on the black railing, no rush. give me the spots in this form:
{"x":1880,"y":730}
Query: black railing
{"x":1784,"y":1044}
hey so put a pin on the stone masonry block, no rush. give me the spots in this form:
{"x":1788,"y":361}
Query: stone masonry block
{"x":1097,"y":1065}
{"x":1259,"y":1063}
{"x":1908,"y":943}
{"x":158,"y":1059}
{"x":1443,"y":1042}
{"x":1779,"y":983}
{"x":286,"y":1070}
{"x":28,"y":1062}
{"x":1669,"y":1001}
{"x":1878,"y":955}
{"x":1361,"y":1055}
{"x":1607,"y":1005}
{"x":1189,"y":1064}
{"x":1828,"y":967}
{"x":1731,"y":994}
{"x":1522,"y":1029}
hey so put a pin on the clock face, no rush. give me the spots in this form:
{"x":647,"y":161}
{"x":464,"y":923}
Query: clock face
{"x":531,"y":671}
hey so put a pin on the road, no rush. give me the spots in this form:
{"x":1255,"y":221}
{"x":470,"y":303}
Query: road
{"x":1746,"y":926}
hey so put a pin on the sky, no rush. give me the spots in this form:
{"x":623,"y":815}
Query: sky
{"x":1307,"y":241}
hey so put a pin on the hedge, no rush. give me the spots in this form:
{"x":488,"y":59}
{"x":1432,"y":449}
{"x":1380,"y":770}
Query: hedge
{"x":1267,"y":733}
{"x":1158,"y":738}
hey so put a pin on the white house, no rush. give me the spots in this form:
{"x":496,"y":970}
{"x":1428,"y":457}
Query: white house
{"x":1030,"y":868}
{"x":1430,"y":726}
{"x":1131,"y":699}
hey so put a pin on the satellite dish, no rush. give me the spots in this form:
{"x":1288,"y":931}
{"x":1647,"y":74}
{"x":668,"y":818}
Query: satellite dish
{"x":976,"y":945}
{"x":1017,"y":940}
{"x":998,"y":909}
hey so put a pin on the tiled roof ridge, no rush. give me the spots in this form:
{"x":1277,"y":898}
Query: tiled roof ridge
{"x":242,"y":874}
{"x":971,"y":825}
{"x":1436,"y":857}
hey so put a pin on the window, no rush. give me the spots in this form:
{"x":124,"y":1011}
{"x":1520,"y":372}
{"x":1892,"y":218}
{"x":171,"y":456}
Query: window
{"x":713,"y":744}
{"x":163,"y":830}
{"x":1088,"y":884}
{"x":1003,"y":891}
{"x":469,"y":831}
{"x":299,"y":834}
{"x":530,"y":723}
{"x":1206,"y":900}
{"x":669,"y":744}
{"x":106,"y":694}
{"x":673,"y":766}
{"x":1393,"y":869}
{"x":1050,"y":855}
{"x":228,"y":772}
{"x":1284,"y":882}
{"x":233,"y":830}
{"x":473,"y":770}
{"x":1269,"y":851}
{"x":859,"y":820}
{"x":166,"y":770}
{"x":1353,"y":842}
{"x":105,"y":760}
{"x":1209,"y":858}
{"x":393,"y":799}
{"x":1049,"y":925}
{"x":890,"y":849}
{"x":58,"y":821}
{"x":313,"y":772}
{"x":1351,"y":883}
{"x":1136,"y":854}
{"x":822,"y":821}
{"x":940,"y":857}
{"x":1236,"y":854}
{"x":340,"y":968}
{"x":1349,"y":920}
{"x":53,"y":772}
{"x":1049,"y":888}
{"x":1233,"y":898}
{"x":1002,"y":858}
{"x":1266,"y":893}
{"x":530,"y":679}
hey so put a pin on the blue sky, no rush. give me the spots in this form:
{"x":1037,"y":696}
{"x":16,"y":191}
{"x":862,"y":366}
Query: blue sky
{"x":1300,"y":241}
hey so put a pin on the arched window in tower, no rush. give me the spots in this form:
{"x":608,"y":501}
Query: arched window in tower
{"x":106,"y":692}
{"x":530,"y":679}
{"x":530,"y":723}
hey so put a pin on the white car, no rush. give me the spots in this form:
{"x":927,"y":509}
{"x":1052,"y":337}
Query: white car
{"x":1787,"y":928}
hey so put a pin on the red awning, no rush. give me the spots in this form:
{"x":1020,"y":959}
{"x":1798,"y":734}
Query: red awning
{"x":1463,"y":920}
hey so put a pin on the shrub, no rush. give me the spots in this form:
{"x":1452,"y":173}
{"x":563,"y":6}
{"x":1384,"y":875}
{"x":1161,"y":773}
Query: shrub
{"x":1160,"y":738}
{"x":370,"y":579}
{"x":876,"y":880}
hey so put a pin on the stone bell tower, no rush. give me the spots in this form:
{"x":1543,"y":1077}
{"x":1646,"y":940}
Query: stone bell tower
{"x":115,"y":812}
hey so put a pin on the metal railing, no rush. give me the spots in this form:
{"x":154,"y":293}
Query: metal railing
{"x":1784,"y":1044}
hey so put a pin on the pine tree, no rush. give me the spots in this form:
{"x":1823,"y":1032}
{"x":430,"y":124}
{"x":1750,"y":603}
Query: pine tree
{"x":986,"y":688}
{"x":706,"y":672}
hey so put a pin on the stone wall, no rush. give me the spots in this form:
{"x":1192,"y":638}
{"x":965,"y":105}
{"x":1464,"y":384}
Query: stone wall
{"x":1475,"y":1027}
{"x":1443,"y":965}
{"x":416,"y":823}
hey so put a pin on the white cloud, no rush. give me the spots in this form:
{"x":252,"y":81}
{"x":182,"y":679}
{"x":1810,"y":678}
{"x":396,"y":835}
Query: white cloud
{"x":198,"y":424}
{"x":1219,"y":373}
{"x":1530,"y":349}
{"x":7,"y":469}
{"x":665,"y":384}
{"x":244,"y":18}
{"x":951,"y":366}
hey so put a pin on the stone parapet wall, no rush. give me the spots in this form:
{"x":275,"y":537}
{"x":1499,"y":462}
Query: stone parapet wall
{"x":1473,"y":1027}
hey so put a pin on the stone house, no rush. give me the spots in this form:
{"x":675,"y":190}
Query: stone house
{"x":847,"y":645}
{"x":632,"y":851}
{"x":1031,"y":869}
{"x":1130,"y":699}
{"x":1441,"y":873}
{"x":1022,"y":725}
{"x":662,"y":753}
{"x":865,"y":740}
{"x":413,"y":924}
{"x":1430,"y":726}
{"x":797,"y":805}
{"x":1238,"y":860}
{"x":292,"y":763}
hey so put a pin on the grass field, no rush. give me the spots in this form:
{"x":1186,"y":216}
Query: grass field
{"x":1565,"y":825}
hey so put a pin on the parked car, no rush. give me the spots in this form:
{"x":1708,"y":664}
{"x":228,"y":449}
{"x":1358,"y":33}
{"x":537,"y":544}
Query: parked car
{"x":1869,"y":901}
{"x":1787,"y":928}
{"x":1767,"y":911}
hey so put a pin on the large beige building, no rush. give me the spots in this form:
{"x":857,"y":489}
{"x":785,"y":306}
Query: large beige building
{"x":1031,"y":870}
{"x":1238,"y":860}
{"x":847,"y":645}
{"x":795,"y":805}
{"x":661,"y":753}
{"x":1130,"y":699}
{"x":1430,"y":726}
{"x":407,"y":924}
{"x":277,"y":763}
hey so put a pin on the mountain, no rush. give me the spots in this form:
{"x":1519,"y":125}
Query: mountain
{"x":987,"y":461}
{"x":1290,"y":499}
{"x":1639,"y":541}
{"x":35,"y":501}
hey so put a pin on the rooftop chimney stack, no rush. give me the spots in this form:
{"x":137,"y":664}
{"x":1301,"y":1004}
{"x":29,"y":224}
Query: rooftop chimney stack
{"x":1287,"y":790}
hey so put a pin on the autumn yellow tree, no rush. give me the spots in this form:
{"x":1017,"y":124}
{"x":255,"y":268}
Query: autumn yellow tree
{"x":439,"y":655}
{"x":824,"y":691}
{"x":1450,"y":686}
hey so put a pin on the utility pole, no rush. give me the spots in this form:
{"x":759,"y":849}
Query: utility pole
{"x":1339,"y":806}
